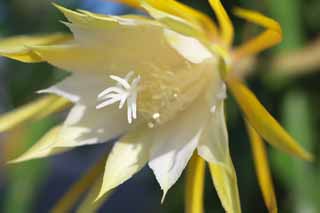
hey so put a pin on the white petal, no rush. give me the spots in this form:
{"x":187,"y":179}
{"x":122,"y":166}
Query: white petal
{"x":93,"y":125}
{"x":213,"y":145}
{"x":127,"y":157}
{"x":175,"y":141}
{"x":99,"y":46}
{"x":81,"y":87}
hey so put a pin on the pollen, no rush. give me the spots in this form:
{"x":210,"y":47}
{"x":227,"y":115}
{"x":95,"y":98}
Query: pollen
{"x":164,"y":93}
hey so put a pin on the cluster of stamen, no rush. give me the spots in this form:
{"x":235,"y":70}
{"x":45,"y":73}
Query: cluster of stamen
{"x":122,"y":92}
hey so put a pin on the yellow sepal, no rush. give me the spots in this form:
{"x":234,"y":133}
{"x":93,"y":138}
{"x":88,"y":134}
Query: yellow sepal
{"x":270,"y":37}
{"x":225,"y":182}
{"x":263,"y":170}
{"x":195,"y":185}
{"x":187,"y":13}
{"x":34,"y":110}
{"x":18,"y":47}
{"x":225,"y":24}
{"x":75,"y":192}
{"x":261,"y":120}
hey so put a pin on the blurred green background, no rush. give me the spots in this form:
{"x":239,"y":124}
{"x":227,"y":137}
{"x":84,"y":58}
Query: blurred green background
{"x":289,"y":90}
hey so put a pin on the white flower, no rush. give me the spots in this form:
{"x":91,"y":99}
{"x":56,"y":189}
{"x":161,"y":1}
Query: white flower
{"x":169,"y":96}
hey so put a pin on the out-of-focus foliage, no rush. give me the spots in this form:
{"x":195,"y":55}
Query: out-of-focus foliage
{"x":294,"y":98}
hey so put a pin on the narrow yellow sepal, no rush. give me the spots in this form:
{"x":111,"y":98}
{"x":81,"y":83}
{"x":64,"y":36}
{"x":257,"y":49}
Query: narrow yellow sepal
{"x":173,"y":22}
{"x":40,"y":149}
{"x":131,"y":3}
{"x":263,"y":170}
{"x":18,"y":47}
{"x":187,"y":13}
{"x":270,"y":37}
{"x":195,"y":177}
{"x":58,"y":105}
{"x":261,"y":120}
{"x":225,"y":182}
{"x":29,"y":111}
{"x":89,"y":203}
{"x":225,"y":24}
{"x":257,"y":18}
{"x":75,"y":192}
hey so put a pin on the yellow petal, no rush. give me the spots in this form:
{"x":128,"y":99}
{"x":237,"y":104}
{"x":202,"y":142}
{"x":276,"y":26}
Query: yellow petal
{"x":74,"y":193}
{"x":261,"y":120}
{"x":195,"y":185}
{"x":263,"y":170}
{"x":225,"y":23}
{"x":270,"y":37}
{"x":187,"y":13}
{"x":17,"y":47}
{"x":225,"y":182}
{"x":44,"y":106}
{"x":40,"y":149}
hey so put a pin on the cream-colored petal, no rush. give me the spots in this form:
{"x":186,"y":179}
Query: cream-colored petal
{"x":127,"y":157}
{"x":214,"y":145}
{"x":214,"y":148}
{"x":101,"y":45}
{"x":79,"y":87}
{"x":84,"y":126}
{"x":189,"y":47}
{"x":175,"y":141}
{"x":91,"y":126}
{"x":97,"y":49}
{"x":168,"y":162}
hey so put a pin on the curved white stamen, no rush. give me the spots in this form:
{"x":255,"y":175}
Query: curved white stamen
{"x":121,"y":81}
{"x":122,"y":92}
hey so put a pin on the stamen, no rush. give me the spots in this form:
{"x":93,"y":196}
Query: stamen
{"x":122,"y":92}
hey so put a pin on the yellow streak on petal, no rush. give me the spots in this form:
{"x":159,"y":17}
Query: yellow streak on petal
{"x":263,"y":122}
{"x":270,"y":37}
{"x":225,"y":182}
{"x":195,"y":185}
{"x":18,"y":47}
{"x":28,"y":111}
{"x":74,"y":193}
{"x":263,"y":170}
{"x":187,"y":13}
{"x":225,"y":24}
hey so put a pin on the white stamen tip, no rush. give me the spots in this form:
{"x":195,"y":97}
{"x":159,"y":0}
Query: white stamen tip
{"x":124,"y":91}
